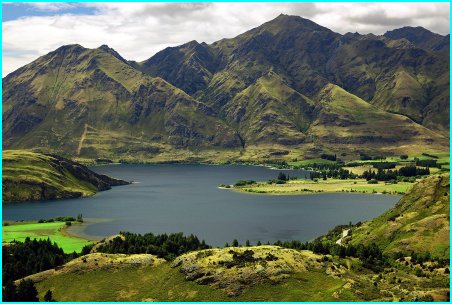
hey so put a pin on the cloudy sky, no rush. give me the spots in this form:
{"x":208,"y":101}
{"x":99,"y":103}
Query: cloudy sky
{"x":139,"y":30}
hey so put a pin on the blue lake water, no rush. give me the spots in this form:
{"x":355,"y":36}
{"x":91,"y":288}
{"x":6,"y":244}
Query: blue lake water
{"x":185,"y":198}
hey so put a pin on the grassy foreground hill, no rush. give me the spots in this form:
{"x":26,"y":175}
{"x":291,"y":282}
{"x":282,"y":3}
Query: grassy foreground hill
{"x":259,"y":273}
{"x":34,"y":176}
{"x":419,"y":222}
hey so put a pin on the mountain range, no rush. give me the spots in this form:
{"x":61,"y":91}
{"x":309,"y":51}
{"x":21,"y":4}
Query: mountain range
{"x":289,"y":84}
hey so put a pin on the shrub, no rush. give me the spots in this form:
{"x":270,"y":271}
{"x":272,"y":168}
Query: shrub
{"x":241,"y":183}
{"x":373,"y":181}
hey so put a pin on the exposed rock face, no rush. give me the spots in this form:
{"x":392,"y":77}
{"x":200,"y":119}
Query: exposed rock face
{"x":235,"y":268}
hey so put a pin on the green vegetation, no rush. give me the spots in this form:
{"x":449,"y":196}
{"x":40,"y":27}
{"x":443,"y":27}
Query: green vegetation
{"x":24,"y":292}
{"x":55,"y":231}
{"x":244,"y":183}
{"x":264,"y":273}
{"x":34,"y":176}
{"x":302,"y":186}
{"x":132,"y":284}
{"x":418,"y":223}
{"x":162,"y":245}
{"x":21,"y":259}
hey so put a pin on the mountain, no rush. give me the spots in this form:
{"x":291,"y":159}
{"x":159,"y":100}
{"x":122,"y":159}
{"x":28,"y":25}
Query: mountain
{"x":405,"y":80}
{"x":289,"y":83}
{"x":89,"y":101}
{"x":421,"y":38}
{"x":29,"y":176}
{"x":190,"y":66}
{"x":419,"y":222}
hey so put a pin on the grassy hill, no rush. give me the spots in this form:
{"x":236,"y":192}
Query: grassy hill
{"x":419,"y":222}
{"x":260,"y":273}
{"x":33,"y":176}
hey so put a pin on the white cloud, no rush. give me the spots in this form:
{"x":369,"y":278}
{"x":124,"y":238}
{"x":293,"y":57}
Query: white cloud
{"x":139,"y":30}
{"x":51,"y":6}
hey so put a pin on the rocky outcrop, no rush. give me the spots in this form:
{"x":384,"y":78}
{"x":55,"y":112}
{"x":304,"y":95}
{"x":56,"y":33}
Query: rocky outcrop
{"x":235,"y":268}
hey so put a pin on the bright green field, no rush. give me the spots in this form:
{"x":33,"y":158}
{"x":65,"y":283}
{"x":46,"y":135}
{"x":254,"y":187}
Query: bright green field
{"x":54,"y":231}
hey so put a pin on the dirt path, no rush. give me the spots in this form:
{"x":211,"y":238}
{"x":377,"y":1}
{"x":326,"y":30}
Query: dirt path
{"x":344,"y":234}
{"x":80,"y":144}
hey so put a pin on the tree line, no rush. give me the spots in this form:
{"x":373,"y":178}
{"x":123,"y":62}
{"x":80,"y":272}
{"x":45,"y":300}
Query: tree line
{"x":21,"y":259}
{"x":167,"y":246}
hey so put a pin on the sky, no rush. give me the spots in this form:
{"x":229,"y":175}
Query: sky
{"x":139,"y":30}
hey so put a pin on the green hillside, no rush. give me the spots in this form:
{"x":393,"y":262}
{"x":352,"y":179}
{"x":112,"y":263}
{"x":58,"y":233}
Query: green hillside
{"x":92,"y":103}
{"x":419,"y":222}
{"x":33,"y":176}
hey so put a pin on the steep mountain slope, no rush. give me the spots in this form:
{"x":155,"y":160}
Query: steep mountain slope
{"x":420,"y":37}
{"x":270,"y":111}
{"x":87,"y":102}
{"x":32,"y":176}
{"x":419,"y":222}
{"x":289,"y":83}
{"x":344,"y":118}
{"x":398,"y":77}
{"x":189,"y":66}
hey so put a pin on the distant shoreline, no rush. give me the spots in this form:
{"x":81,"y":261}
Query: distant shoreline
{"x":78,"y":231}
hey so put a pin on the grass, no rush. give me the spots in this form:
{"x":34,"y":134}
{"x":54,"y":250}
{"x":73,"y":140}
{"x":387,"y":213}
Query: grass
{"x":309,"y":162}
{"x":24,"y":173}
{"x":163,"y":283}
{"x":302,"y":186}
{"x":335,"y":280}
{"x":418,"y":222}
{"x":55,"y":231}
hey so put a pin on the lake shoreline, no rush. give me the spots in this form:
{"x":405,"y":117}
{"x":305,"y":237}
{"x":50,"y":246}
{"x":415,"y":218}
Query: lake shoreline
{"x":78,"y":231}
{"x":166,"y":194}
{"x":302,"y":193}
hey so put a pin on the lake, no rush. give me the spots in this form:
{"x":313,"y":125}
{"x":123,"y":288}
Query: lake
{"x":186,"y":198}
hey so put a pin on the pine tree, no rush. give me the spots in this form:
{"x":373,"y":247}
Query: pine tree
{"x":48,"y":297}
{"x":9,"y":292}
{"x":26,"y":292}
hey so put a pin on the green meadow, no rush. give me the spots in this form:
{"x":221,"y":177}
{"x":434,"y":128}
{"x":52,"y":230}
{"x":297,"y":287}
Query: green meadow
{"x":54,"y":231}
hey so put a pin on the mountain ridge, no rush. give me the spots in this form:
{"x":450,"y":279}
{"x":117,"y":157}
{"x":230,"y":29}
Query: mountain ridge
{"x":254,"y":90}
